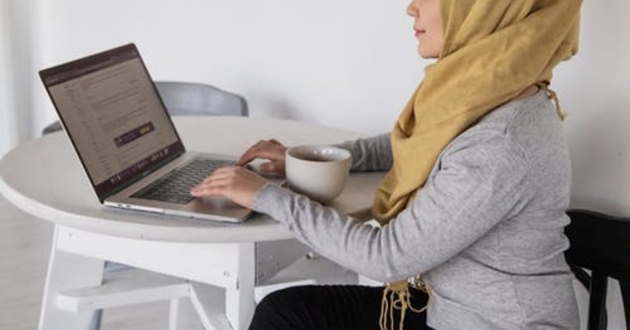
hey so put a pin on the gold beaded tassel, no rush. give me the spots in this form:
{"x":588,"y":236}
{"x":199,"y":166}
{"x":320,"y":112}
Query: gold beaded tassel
{"x":396,"y":296}
{"x":554,"y":97}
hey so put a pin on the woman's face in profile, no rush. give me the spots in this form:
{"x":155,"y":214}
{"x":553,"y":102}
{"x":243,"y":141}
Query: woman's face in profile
{"x":427,"y":27}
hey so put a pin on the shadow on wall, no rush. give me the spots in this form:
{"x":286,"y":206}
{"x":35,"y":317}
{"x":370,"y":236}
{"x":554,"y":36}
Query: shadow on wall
{"x":600,"y":155}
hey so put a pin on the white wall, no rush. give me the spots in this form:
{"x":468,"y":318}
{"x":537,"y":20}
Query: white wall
{"x":7,"y":138}
{"x":16,"y":76}
{"x":596,"y":91}
{"x":349,"y":64}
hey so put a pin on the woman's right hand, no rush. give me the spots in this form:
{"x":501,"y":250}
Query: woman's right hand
{"x":270,"y":150}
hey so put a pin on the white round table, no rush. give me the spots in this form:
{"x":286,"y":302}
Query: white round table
{"x":44,"y":177}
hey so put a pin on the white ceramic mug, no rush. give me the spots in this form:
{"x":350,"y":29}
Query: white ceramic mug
{"x":319,"y":172}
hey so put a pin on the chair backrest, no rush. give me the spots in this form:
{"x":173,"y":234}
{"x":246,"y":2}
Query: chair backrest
{"x":193,"y":99}
{"x":185,"y":98}
{"x":601,"y":244}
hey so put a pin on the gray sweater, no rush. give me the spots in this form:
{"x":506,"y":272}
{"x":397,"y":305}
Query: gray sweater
{"x":486,"y":230}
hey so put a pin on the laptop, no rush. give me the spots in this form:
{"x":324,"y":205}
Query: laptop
{"x":126,"y":140}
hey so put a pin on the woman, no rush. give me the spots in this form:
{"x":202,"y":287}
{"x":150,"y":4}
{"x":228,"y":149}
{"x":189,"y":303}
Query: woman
{"x":473,"y":206}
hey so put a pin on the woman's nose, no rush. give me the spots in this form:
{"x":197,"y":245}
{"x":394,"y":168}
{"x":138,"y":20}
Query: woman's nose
{"x":412,"y":10}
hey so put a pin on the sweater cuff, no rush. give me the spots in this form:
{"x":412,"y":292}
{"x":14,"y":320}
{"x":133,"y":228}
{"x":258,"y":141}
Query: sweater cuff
{"x":268,"y":198}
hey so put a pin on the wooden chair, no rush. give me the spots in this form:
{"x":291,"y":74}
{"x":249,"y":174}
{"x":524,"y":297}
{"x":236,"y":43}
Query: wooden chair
{"x":600,"y":243}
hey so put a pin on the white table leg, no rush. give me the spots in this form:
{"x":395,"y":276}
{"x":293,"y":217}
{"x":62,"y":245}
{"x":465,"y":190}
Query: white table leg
{"x":173,"y":315}
{"x":239,"y":302}
{"x":67,"y":271}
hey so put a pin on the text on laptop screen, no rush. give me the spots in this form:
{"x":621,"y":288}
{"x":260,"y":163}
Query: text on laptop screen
{"x":117,"y":109}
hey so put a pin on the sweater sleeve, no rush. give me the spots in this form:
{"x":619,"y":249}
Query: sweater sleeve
{"x":478,"y":182}
{"x":370,"y":154}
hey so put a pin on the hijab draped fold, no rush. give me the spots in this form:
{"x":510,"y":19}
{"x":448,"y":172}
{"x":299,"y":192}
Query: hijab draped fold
{"x":493,"y":50}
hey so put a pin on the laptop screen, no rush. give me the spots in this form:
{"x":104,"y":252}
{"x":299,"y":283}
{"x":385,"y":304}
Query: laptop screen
{"x":114,"y":116}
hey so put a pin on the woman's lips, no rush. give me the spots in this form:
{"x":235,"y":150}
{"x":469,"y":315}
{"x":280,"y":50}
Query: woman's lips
{"x":418,"y":33}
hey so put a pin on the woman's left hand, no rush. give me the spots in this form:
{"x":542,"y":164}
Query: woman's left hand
{"x":235,"y":183}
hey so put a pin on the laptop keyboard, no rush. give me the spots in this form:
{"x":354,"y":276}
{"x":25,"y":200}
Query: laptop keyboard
{"x":175,"y":187}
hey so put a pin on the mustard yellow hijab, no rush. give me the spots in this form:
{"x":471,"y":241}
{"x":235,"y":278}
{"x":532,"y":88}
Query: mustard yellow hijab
{"x":493,"y":50}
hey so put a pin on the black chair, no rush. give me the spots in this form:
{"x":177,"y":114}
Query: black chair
{"x":601,"y":244}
